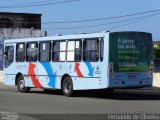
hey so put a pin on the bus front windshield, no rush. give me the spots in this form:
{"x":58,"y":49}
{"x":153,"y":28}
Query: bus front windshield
{"x":130,"y":51}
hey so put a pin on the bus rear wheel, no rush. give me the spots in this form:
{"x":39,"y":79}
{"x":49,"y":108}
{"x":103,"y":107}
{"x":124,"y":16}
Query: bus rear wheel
{"x":67,"y":87}
{"x":21,"y":85}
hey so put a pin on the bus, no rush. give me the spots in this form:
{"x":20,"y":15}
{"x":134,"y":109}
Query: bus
{"x":105,"y":60}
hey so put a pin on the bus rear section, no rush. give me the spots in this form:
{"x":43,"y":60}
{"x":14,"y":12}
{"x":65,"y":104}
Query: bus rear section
{"x":130,"y":59}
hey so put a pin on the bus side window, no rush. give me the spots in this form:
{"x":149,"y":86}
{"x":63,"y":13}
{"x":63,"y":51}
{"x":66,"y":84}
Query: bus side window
{"x":59,"y":51}
{"x":9,"y":55}
{"x":20,"y":52}
{"x":78,"y":50}
{"x":91,"y":50}
{"x":74,"y":50}
{"x":32,"y":52}
{"x":101,"y":49}
{"x":44,"y":51}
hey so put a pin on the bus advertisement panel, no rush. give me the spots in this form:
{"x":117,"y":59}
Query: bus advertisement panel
{"x":131,"y":52}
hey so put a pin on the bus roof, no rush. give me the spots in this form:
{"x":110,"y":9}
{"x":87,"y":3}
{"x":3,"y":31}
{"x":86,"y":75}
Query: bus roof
{"x":63,"y":37}
{"x":69,"y":37}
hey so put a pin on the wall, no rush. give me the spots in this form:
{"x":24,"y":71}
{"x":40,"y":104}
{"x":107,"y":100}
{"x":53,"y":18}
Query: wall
{"x":15,"y":26}
{"x":156,"y":79}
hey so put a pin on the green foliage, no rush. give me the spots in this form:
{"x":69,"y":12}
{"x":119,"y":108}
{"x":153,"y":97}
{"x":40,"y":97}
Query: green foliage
{"x":156,"y":50}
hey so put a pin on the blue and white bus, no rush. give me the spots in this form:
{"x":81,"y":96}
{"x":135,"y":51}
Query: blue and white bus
{"x":106,"y":60}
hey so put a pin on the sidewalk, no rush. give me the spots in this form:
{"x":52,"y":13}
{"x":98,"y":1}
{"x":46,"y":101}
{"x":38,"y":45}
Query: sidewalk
{"x":12,"y":87}
{"x":6,"y":87}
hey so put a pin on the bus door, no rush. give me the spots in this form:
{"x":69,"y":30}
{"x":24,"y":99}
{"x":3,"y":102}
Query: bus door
{"x":45,"y":71}
{"x":21,"y":66}
{"x":9,"y":65}
{"x":91,"y":53}
{"x":32,"y":58}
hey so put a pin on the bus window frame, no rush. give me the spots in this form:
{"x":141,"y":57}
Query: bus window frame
{"x":52,"y":50}
{"x":80,"y":41}
{"x":6,"y":56}
{"x":37,"y":47}
{"x":24,"y":51}
{"x":98,"y":50}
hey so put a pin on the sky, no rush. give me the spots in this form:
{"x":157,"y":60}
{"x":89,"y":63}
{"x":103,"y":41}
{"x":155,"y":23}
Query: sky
{"x":82,"y":10}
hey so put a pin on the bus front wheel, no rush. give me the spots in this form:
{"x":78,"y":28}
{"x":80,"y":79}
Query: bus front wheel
{"x":67,"y":87}
{"x":21,"y":85}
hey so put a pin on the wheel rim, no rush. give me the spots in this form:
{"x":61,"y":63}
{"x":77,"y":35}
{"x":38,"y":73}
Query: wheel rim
{"x":21,"y":84}
{"x":67,"y":87}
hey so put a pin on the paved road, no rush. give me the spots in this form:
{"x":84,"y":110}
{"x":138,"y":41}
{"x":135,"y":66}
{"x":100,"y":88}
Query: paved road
{"x":141,"y":101}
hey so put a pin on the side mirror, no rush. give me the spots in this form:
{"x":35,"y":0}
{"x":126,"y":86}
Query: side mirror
{"x":5,"y":55}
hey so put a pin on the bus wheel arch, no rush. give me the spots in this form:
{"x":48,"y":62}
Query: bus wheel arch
{"x":17,"y":76}
{"x":67,"y":85}
{"x":63,"y":77}
{"x":20,"y":82}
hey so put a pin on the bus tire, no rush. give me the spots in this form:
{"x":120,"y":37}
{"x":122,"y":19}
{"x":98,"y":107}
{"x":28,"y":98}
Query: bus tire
{"x":67,"y":87}
{"x":21,"y":85}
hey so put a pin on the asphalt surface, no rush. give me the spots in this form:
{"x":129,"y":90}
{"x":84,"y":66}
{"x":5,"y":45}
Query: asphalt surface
{"x":38,"y":105}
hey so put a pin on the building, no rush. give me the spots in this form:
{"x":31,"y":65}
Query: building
{"x":18,"y":25}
